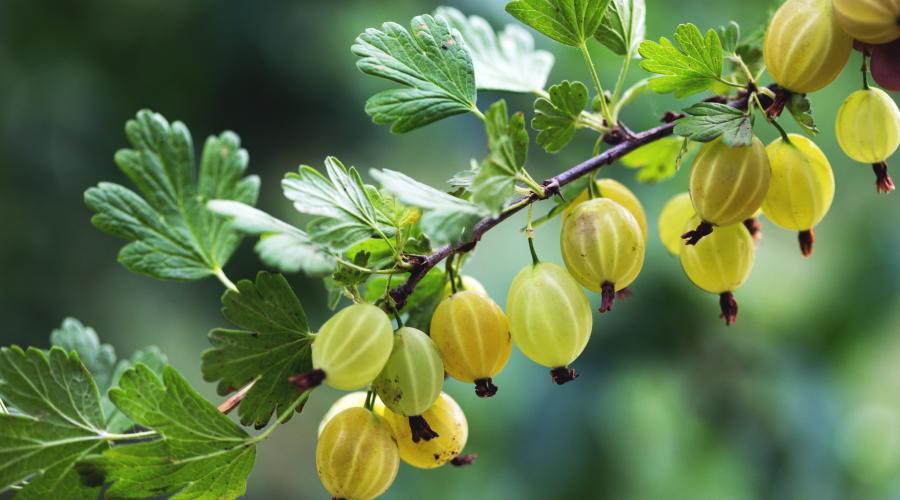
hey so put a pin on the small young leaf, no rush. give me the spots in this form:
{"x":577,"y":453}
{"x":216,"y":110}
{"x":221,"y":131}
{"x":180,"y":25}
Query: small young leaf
{"x":508,"y":144}
{"x":555,"y":118}
{"x":623,"y":26}
{"x":61,"y":422}
{"x":708,"y":120}
{"x":200,"y":452}
{"x":505,"y":61}
{"x":800,"y":109}
{"x":432,"y":64}
{"x":347,"y":213}
{"x":729,"y":35}
{"x":274,"y":344}
{"x":171,"y":234}
{"x":570,"y":22}
{"x":690,"y":68}
{"x":280,"y":245}
{"x":446,"y":219}
{"x":656,"y":161}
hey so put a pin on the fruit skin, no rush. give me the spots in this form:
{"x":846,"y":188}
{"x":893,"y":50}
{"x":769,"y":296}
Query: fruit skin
{"x":674,"y":216}
{"x":413,"y":376}
{"x":601,"y":243}
{"x":447,"y":419}
{"x":720,"y":262}
{"x":549,"y":315}
{"x":353,"y":346}
{"x":468,"y":283}
{"x":357,"y":455}
{"x":351,"y":400}
{"x":868,"y":126}
{"x":472,"y":335}
{"x":869,"y":21}
{"x":617,"y":192}
{"x":802,"y":185}
{"x":804,"y":48}
{"x":728,"y":185}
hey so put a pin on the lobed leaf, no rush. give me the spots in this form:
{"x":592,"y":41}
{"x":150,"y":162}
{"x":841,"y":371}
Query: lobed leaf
{"x":432,"y":64}
{"x":273,"y":344}
{"x":706,"y":121}
{"x":506,"y":61}
{"x":495,"y":181}
{"x":570,"y":22}
{"x":656,"y":161}
{"x":171,"y":235}
{"x":556,"y":116}
{"x":691,"y":67}
{"x":623,"y":26}
{"x":801,"y":111}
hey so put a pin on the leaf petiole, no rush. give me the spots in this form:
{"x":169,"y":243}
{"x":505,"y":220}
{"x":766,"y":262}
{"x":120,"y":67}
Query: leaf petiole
{"x":604,"y":107}
{"x":219,"y":273}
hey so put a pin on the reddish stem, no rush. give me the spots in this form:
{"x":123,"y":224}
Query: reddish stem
{"x":883,"y":181}
{"x":806,"y":238}
{"x":485,"y":388}
{"x":420,"y":429}
{"x":562,"y":375}
{"x":729,"y":308}
{"x":695,"y":235}
{"x":608,"y":295}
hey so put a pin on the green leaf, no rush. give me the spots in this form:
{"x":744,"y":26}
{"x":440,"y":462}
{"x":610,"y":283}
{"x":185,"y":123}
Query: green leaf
{"x":730,"y":35}
{"x":708,"y":120}
{"x":556,"y":118}
{"x":100,"y":360}
{"x":347,"y":214}
{"x":421,"y":303}
{"x":280,"y":245}
{"x":570,"y":22}
{"x":432,"y":64}
{"x":201,"y":453}
{"x":349,"y":276}
{"x":272,"y":345}
{"x":508,"y":144}
{"x":464,"y":178}
{"x":656,"y":161}
{"x":690,"y":68}
{"x":800,"y":109}
{"x":505,"y":61}
{"x":446,"y":219}
{"x":62,"y":422}
{"x":623,"y":26}
{"x":171,"y":234}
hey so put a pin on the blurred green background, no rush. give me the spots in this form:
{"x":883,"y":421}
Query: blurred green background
{"x":799,"y":399}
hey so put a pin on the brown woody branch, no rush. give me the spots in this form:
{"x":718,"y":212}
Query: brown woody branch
{"x":623,"y":143}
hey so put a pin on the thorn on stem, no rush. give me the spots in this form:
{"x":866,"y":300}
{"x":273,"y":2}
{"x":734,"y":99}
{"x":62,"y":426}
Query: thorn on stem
{"x":695,"y":235}
{"x":485,"y":388}
{"x":729,"y":308}
{"x":463,"y":460}
{"x":420,"y":429}
{"x":308,"y":380}
{"x":883,"y":183}
{"x":806,"y":238}
{"x":608,"y":295}
{"x":562,"y":375}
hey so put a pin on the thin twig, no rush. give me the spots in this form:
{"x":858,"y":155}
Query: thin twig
{"x":551,"y":188}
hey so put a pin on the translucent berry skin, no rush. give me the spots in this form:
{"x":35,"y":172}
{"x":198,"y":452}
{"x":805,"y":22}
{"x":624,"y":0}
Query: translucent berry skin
{"x":617,"y":192}
{"x":728,"y":185}
{"x":413,"y":376}
{"x":870,"y":21}
{"x":351,"y":400}
{"x":468,"y":283}
{"x":601,"y":242}
{"x":868,"y":126}
{"x":447,"y":419}
{"x":674,"y":216}
{"x":472,"y":335}
{"x":549,"y":315}
{"x":357,"y":455}
{"x":804,"y":48}
{"x":802,"y":185}
{"x":353,"y":346}
{"x":721,"y":261}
